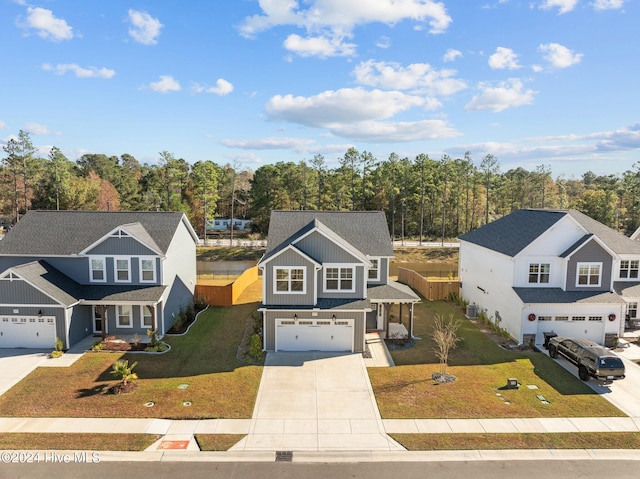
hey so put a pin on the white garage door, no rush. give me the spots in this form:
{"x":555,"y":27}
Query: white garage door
{"x":314,"y":335}
{"x":27,"y":332}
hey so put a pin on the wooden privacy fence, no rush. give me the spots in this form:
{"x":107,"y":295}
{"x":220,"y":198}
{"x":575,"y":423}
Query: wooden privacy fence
{"x":226,"y":295}
{"x":432,"y":289}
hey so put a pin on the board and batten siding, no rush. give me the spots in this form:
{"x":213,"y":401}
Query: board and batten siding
{"x":289,"y":258}
{"x":18,"y":291}
{"x":359,"y":282}
{"x":324,"y":250}
{"x":121,"y":247}
{"x":591,"y":252}
{"x":271,"y":316}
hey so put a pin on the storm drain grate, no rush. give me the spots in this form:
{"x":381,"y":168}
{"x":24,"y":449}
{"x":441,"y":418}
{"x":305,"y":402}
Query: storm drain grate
{"x":284,"y":456}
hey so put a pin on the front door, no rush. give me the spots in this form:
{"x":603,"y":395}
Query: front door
{"x":97,"y":319}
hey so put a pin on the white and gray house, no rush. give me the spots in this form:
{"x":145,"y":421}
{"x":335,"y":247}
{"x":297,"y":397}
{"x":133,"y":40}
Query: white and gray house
{"x":71,"y":274}
{"x":538,"y":271}
{"x":325,"y":281}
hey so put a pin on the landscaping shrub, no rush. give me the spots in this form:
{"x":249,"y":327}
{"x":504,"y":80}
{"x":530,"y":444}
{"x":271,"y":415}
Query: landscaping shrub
{"x":255,"y":347}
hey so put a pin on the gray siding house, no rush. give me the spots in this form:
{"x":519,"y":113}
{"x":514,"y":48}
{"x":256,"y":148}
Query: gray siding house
{"x":325,"y":280}
{"x":70,"y":274}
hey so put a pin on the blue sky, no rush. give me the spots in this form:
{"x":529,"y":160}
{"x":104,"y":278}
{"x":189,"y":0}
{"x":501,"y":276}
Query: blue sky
{"x":537,"y":82}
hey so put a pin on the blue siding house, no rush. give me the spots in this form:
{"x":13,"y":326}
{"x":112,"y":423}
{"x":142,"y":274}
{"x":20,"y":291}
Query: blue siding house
{"x":325,"y":280}
{"x":70,"y":274}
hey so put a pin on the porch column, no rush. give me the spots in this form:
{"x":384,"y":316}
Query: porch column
{"x":411,"y":321}
{"x":387,"y":311}
{"x":152,"y":309}
{"x":103,"y":315}
{"x":400,"y":315}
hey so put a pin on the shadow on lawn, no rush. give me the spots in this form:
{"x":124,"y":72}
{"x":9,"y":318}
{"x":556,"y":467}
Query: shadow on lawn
{"x":94,"y":391}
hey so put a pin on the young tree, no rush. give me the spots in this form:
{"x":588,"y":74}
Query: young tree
{"x":445,"y":335}
{"x":122,"y":369}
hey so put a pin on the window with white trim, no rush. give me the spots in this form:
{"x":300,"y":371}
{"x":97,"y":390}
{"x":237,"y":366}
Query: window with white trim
{"x":595,"y":318}
{"x":578,"y":318}
{"x":146,"y":317}
{"x":289,"y":280}
{"x":632,"y":310}
{"x":97,"y":270}
{"x":539,"y":273}
{"x":147,"y":270}
{"x":629,"y":268}
{"x":339,"y":278}
{"x":588,"y":274}
{"x":544,"y":318}
{"x":562,"y":318}
{"x":374,"y":270}
{"x":123,"y":318}
{"x":122,"y":267}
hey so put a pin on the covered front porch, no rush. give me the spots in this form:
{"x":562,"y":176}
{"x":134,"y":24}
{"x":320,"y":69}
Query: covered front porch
{"x":387,"y":301}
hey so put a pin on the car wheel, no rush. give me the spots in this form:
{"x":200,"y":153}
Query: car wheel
{"x":553,"y":352}
{"x":583,"y":373}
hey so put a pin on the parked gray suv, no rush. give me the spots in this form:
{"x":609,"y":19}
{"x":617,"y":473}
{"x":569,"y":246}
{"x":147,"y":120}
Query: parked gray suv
{"x":592,"y":359}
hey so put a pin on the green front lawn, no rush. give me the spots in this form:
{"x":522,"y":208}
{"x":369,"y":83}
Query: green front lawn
{"x":74,"y":442}
{"x":219,"y":386}
{"x":481,"y":368}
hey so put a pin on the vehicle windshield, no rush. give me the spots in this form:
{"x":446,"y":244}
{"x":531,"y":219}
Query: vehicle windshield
{"x":611,"y":363}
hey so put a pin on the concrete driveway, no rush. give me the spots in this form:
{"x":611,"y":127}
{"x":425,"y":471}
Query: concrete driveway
{"x":622,"y":393}
{"x":315,"y":402}
{"x":15,"y":364}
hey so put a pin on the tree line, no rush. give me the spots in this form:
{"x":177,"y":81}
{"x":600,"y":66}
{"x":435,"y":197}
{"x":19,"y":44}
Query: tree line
{"x":423,"y":198}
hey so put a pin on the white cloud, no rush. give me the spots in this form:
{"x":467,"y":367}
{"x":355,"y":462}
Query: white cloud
{"x":319,"y":46}
{"x":391,"y":75}
{"x":166,"y":84}
{"x":390,"y":132}
{"x":383,"y":42}
{"x":608,"y":4}
{"x":223,"y":87}
{"x":563,"y":6}
{"x":272,"y":143}
{"x":504,"y":59}
{"x":80,"y":72}
{"x":330,"y":19}
{"x":144,"y":28}
{"x":559,"y":56}
{"x":507,"y":94}
{"x":47,"y":24}
{"x":347,"y":105}
{"x":451,"y":54}
{"x":38,"y":129}
{"x":3,"y":125}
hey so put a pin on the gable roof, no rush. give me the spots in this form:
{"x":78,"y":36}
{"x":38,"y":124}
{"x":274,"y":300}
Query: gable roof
{"x":64,"y":233}
{"x":512,"y":233}
{"x":366,"y":231}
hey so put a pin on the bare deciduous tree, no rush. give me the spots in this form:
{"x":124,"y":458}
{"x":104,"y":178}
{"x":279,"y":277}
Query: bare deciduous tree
{"x":445,"y":335}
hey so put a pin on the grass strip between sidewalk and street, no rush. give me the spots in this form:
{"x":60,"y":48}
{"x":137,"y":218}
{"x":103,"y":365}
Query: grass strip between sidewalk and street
{"x":217,"y":442}
{"x":30,"y":441}
{"x":459,"y":442}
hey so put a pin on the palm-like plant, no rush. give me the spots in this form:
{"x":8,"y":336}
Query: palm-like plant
{"x":121,"y":368}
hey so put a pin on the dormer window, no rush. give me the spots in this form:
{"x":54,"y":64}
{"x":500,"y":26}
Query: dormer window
{"x":122,"y":270}
{"x":539,"y":273}
{"x":97,"y":271}
{"x":147,"y":270}
{"x":339,"y":279}
{"x":289,"y":280}
{"x":629,"y":268}
{"x":588,"y":274}
{"x":374,"y":270}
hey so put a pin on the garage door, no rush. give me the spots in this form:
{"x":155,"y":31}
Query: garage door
{"x":27,"y":332}
{"x":314,"y":335}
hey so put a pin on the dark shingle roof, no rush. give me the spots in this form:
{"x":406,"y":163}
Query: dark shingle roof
{"x":366,"y":231}
{"x":392,"y":291}
{"x":557,"y":295}
{"x":53,"y":233}
{"x":66,"y":291}
{"x":325,"y":303}
{"x":512,"y":233}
